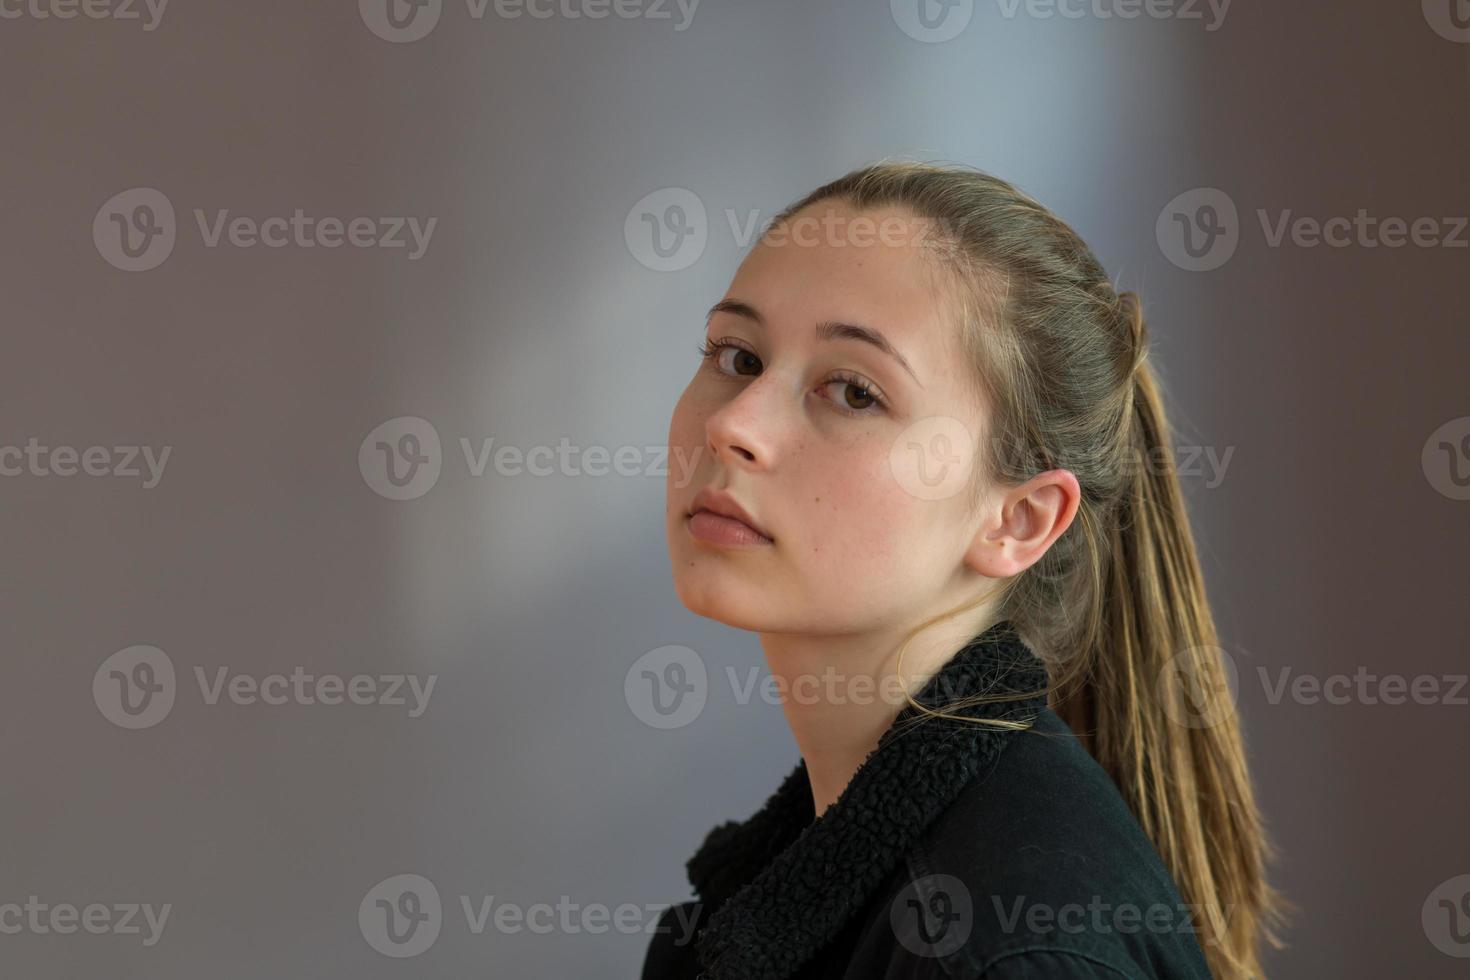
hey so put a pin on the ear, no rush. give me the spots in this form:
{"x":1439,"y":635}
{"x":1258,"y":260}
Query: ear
{"x":1023,"y":524}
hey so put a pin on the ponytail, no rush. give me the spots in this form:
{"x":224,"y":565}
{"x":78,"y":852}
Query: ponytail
{"x":1156,"y":708}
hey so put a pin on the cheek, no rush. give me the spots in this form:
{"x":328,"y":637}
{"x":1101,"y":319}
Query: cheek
{"x":686,"y":438}
{"x":688,"y":424}
{"x":858,"y":518}
{"x":866,"y":550}
{"x":683,"y":422}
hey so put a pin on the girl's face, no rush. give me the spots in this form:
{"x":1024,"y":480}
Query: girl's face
{"x":851,"y":458}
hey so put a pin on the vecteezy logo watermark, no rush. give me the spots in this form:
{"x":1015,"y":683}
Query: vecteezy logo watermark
{"x":667,"y":687}
{"x":932,"y":458}
{"x":1450,"y":19}
{"x":932,"y":916}
{"x":1192,"y":693}
{"x":402,"y":458}
{"x":1446,"y":917}
{"x":135,"y":230}
{"x":667,"y":230}
{"x":120,"y":919}
{"x":1199,"y":230}
{"x":1446,"y":458}
{"x":91,"y":9}
{"x":136,"y":687}
{"x":36,"y":459}
{"x":402,"y":21}
{"x":932,"y":21}
{"x":402,"y":916}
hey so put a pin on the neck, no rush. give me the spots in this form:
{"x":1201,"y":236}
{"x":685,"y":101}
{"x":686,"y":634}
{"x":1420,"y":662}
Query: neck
{"x":841,"y":693}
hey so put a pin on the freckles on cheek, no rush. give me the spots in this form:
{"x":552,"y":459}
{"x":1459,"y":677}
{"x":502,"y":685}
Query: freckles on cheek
{"x":890,"y":524}
{"x":858,"y":522}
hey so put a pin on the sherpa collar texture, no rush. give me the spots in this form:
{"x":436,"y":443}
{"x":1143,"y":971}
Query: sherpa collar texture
{"x":782,"y":884}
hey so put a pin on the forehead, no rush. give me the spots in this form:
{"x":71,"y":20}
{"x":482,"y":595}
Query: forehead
{"x":875,"y":267}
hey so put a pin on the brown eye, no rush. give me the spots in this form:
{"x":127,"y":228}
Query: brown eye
{"x":863,"y":398}
{"x":745,"y":363}
{"x":857,"y":398}
{"x":744,"y":359}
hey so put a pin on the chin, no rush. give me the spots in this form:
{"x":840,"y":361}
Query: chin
{"x":721,"y":593}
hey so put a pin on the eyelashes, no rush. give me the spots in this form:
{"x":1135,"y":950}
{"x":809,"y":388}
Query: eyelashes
{"x":711,"y":351}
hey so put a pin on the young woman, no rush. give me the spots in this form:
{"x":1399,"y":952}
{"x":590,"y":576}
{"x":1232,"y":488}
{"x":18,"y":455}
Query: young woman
{"x":932,"y":460}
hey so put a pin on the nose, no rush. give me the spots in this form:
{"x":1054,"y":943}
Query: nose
{"x":741,"y":432}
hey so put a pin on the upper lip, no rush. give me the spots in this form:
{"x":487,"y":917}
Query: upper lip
{"x":720,"y":502}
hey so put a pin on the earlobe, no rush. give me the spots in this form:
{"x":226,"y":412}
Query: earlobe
{"x":989,"y":554}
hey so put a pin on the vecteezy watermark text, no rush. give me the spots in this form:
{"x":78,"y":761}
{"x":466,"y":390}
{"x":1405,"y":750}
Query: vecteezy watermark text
{"x":1365,"y":687}
{"x":1098,"y":917}
{"x":402,"y":916}
{"x":135,"y":230}
{"x":403,"y":21}
{"x":1200,"y":229}
{"x":36,"y":459}
{"x":91,"y":9}
{"x":937,"y":21}
{"x":1199,"y":687}
{"x":63,"y":918}
{"x":668,"y":687}
{"x":136,"y":688}
{"x":402,"y":459}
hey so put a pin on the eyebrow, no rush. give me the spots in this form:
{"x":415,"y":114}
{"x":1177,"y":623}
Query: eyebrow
{"x":826,"y":330}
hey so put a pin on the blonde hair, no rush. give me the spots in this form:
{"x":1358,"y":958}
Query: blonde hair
{"x":1119,"y":596}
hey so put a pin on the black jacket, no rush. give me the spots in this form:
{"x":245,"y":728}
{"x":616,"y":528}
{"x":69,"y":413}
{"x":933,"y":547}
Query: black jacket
{"x":956,"y":851}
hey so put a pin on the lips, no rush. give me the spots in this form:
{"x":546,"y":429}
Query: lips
{"x":721,"y":503}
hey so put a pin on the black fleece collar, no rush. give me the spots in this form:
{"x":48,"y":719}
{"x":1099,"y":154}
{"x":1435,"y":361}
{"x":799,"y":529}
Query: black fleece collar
{"x":782,"y":884}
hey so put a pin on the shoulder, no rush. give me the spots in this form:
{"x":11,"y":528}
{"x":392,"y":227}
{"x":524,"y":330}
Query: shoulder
{"x":1046,"y":808}
{"x":1039,"y":869}
{"x":671,"y":951}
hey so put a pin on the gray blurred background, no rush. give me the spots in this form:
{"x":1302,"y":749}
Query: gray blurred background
{"x":271,"y":539}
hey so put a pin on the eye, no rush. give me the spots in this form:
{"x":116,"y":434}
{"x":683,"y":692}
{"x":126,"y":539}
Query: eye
{"x":860,"y":398}
{"x":714,"y":351}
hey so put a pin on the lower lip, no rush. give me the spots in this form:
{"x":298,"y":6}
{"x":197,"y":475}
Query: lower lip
{"x":714,"y":528}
